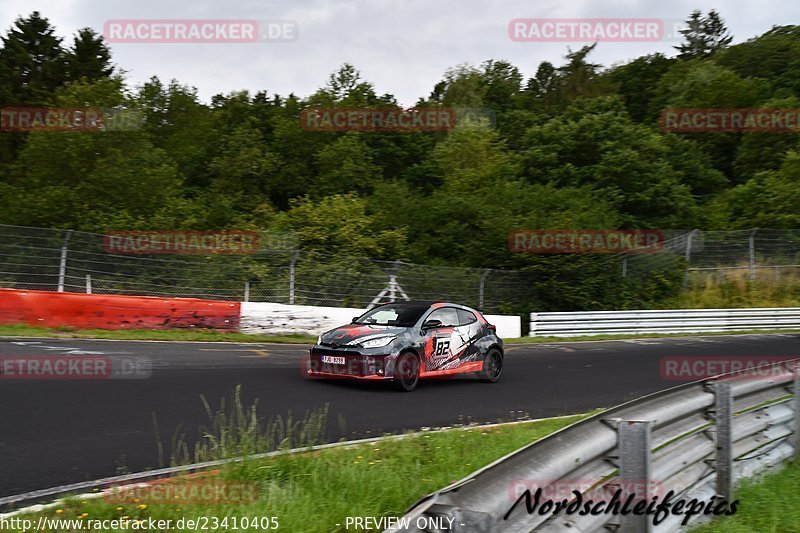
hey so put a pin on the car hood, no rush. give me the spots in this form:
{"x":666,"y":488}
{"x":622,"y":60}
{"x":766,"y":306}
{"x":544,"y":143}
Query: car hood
{"x":351,"y":332}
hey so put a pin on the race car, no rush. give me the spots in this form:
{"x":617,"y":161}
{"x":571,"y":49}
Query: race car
{"x":403,"y":342}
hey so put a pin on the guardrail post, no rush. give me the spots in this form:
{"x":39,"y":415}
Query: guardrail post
{"x":724,"y":445}
{"x":796,"y":434}
{"x":62,"y":268}
{"x":532,"y":327}
{"x":88,"y":284}
{"x":633,"y":442}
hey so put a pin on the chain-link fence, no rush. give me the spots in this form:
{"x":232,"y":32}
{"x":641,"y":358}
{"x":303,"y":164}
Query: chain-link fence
{"x":765,"y":255}
{"x":74,"y":261}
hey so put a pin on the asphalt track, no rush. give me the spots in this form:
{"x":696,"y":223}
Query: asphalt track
{"x":55,"y":432}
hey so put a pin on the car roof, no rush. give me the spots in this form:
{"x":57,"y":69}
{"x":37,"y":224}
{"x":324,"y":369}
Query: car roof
{"x":421,"y":303}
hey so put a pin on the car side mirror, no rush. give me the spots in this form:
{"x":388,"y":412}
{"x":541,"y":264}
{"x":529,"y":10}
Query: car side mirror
{"x":432,"y":324}
{"x":355,"y":319}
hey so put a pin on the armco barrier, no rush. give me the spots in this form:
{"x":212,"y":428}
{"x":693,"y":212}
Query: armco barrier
{"x":272,"y":318}
{"x":696,"y":440}
{"x":56,"y":309}
{"x":662,"y":321}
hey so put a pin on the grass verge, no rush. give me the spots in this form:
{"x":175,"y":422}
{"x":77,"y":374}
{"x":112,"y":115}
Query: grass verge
{"x":218,"y":336}
{"x":151,"y":335}
{"x":314,"y":491}
{"x":771,"y":504}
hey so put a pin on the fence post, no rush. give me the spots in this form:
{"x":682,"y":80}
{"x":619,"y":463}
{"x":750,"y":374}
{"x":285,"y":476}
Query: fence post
{"x":62,"y":268}
{"x":625,"y":266}
{"x":292,"y":270}
{"x":724,"y":445}
{"x":88,"y":284}
{"x":482,"y":288}
{"x":753,"y":254}
{"x":633,"y":442}
{"x":688,"y":255}
{"x":246,"y":291}
{"x":393,"y":281}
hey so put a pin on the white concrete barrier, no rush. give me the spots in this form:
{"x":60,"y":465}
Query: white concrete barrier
{"x":508,"y":326}
{"x":270,"y":318}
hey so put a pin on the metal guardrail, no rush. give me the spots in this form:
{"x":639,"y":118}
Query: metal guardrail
{"x":697,"y":440}
{"x":662,"y":321}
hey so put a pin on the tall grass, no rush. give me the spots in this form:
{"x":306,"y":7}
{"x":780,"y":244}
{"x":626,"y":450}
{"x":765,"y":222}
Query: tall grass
{"x":734,"y":289}
{"x":236,"y":431}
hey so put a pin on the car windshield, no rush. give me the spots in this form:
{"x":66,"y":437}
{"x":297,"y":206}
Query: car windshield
{"x":400,"y":315}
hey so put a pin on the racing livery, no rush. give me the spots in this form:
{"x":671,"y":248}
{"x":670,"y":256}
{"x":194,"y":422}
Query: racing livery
{"x":403,"y":342}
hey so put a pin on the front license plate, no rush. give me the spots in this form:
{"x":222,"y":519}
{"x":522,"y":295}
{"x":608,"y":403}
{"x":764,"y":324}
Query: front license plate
{"x":333,"y":360}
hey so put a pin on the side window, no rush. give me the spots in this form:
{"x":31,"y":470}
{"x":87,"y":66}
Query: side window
{"x":465,"y":317}
{"x":446,"y":315}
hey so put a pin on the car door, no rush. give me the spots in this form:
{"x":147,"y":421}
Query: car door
{"x":439,"y":353}
{"x":468,"y":331}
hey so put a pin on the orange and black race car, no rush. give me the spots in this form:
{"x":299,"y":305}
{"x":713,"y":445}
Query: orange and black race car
{"x":404,"y":342}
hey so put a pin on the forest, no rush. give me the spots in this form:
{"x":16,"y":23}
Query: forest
{"x":578,"y":145}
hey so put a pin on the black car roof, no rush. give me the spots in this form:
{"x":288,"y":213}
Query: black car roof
{"x":412,"y":303}
{"x":425,"y":303}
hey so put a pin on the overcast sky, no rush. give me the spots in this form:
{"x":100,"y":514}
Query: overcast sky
{"x":403,"y":47}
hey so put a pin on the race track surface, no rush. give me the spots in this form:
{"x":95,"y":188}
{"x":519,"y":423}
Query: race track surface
{"x":55,"y":432}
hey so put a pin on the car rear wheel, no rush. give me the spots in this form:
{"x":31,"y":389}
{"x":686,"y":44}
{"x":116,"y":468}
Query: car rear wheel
{"x":492,"y":366}
{"x":406,"y":372}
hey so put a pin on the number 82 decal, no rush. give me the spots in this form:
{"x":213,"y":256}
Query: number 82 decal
{"x":441,"y":347}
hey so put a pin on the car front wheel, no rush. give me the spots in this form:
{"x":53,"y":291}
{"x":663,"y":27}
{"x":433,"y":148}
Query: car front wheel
{"x":406,"y":372}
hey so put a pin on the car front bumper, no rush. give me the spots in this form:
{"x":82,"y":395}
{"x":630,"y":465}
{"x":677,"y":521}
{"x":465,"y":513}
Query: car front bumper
{"x":356,"y":365}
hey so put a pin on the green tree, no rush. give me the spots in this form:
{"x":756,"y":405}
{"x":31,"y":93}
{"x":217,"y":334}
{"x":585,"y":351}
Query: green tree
{"x":177,"y":122}
{"x":771,"y":199}
{"x":638,"y":82}
{"x":703,"y":35}
{"x":346,"y":165}
{"x":594,"y":143}
{"x":243,"y":168}
{"x":32,"y":62}
{"x":341,"y":223}
{"x":89,"y":180}
{"x":89,"y":57}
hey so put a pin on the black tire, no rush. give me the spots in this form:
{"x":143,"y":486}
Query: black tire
{"x":492,"y":366}
{"x":406,"y":372}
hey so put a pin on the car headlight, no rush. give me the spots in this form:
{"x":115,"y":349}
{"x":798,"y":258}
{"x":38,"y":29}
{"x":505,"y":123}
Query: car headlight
{"x":374,"y":342}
